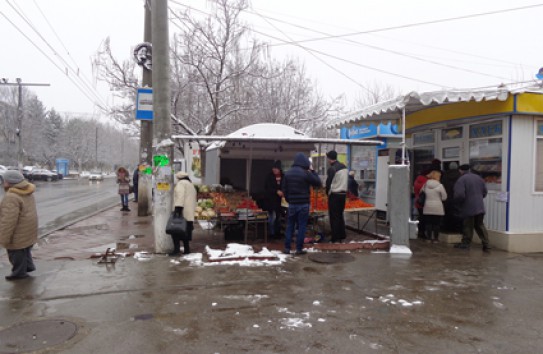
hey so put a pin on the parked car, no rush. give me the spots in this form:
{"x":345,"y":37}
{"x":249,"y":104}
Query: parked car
{"x":43,"y":175}
{"x":60,"y":176}
{"x":96,"y":176}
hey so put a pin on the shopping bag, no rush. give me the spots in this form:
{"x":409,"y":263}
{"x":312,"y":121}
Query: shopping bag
{"x":176,"y":225}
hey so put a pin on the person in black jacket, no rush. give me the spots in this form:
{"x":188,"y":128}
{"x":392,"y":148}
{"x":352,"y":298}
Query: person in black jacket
{"x":353,"y":184}
{"x":296,"y":188}
{"x":273,"y":195}
{"x":135,"y":181}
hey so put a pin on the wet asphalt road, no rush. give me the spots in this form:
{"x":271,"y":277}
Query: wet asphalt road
{"x":62,"y":202}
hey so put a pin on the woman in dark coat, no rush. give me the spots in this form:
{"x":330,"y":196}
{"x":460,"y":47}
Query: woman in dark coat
{"x":274,"y":194}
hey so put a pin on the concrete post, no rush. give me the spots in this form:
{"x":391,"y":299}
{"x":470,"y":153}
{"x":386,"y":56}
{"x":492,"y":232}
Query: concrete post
{"x":163,"y":155}
{"x":146,"y":132}
{"x":398,"y":206}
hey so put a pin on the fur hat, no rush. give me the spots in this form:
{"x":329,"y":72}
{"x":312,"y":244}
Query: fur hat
{"x":351,"y":173}
{"x":181,"y":175}
{"x":453,"y":166}
{"x":332,"y":155}
{"x":13,"y":177}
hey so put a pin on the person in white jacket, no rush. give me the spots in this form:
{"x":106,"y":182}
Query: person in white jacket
{"x":184,"y":204}
{"x":433,"y":206}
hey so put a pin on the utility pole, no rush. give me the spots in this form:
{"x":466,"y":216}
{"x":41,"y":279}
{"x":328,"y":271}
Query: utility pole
{"x":96,"y":148}
{"x":146,"y":131}
{"x":18,"y":131}
{"x":163,"y":155}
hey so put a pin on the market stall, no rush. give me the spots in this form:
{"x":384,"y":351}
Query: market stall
{"x":497,"y":131}
{"x":239,"y":162}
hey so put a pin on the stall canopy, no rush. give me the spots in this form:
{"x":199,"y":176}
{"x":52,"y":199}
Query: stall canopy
{"x":258,"y":142}
{"x":393,"y":110}
{"x":397,"y":109}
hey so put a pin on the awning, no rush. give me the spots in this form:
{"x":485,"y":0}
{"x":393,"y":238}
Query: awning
{"x":392,"y":110}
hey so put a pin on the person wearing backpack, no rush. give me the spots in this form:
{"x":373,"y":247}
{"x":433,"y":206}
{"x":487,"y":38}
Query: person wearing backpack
{"x":433,"y":209}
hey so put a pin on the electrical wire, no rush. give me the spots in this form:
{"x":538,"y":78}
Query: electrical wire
{"x":88,"y":88}
{"x":330,"y":55}
{"x":374,"y":47}
{"x":410,"y":25}
{"x":319,"y":59}
{"x":51,"y":60}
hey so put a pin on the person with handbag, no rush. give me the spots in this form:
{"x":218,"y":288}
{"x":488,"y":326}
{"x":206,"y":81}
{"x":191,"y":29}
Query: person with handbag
{"x":123,"y":180}
{"x":420,"y":181}
{"x":433,"y":209}
{"x":184,"y":205}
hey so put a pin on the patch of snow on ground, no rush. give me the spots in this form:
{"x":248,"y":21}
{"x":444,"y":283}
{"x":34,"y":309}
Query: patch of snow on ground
{"x":242,"y":255}
{"x":143,"y":256}
{"x":316,"y":302}
{"x":400,"y":249}
{"x":292,"y":323}
{"x":390,"y":298}
{"x":253,"y":299}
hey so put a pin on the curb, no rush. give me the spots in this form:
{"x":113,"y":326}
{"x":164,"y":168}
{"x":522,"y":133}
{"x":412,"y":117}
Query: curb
{"x":76,"y":220}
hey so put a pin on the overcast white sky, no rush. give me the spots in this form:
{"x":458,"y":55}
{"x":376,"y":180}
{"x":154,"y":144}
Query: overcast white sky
{"x":464,"y":53}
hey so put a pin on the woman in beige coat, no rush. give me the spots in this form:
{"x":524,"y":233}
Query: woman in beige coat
{"x":18,"y":224}
{"x":433,"y":206}
{"x":184,"y":204}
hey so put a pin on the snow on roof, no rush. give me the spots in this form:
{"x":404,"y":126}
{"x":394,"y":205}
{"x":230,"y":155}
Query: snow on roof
{"x":262,"y":130}
{"x":414,"y":101}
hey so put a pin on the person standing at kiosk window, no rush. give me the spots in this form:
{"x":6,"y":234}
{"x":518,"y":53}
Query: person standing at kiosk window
{"x":336,"y":189}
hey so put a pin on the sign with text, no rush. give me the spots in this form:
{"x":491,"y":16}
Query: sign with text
{"x":144,"y":104}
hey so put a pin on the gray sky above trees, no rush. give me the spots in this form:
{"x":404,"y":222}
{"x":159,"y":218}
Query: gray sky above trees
{"x":409,"y":45}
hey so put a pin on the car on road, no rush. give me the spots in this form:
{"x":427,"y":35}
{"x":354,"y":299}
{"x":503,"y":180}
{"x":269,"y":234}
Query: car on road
{"x":96,"y":176}
{"x":43,"y":175}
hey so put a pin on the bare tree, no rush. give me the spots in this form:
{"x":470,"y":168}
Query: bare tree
{"x":122,"y":79}
{"x":211,"y":49}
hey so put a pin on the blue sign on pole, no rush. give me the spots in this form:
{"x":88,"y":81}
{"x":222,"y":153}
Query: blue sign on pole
{"x":144,"y":104}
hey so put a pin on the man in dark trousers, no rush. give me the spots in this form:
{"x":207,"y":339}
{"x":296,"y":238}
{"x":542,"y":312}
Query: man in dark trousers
{"x":469,"y":192}
{"x":336,"y":189}
{"x":18,"y":224}
{"x":296,"y":188}
{"x":135,"y":181}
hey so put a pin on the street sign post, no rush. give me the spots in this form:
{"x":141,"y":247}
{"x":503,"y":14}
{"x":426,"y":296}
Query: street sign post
{"x":144,"y":104}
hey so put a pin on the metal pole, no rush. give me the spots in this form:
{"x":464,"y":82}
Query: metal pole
{"x":146,"y":131}
{"x":96,"y":148}
{"x":19,"y":125}
{"x":403,"y":136}
{"x":163,"y":157}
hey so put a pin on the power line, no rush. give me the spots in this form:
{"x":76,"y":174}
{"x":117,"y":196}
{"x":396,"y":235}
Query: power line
{"x":320,"y":59}
{"x":328,"y":55}
{"x":49,"y":58}
{"x":411,"y":56}
{"x":415,"y":24}
{"x":357,"y":64}
{"x":89,"y":89}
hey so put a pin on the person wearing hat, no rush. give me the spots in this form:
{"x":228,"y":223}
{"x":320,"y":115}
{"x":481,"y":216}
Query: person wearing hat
{"x":469,"y":192}
{"x":184,"y":204}
{"x":18,"y":224}
{"x":123,"y":180}
{"x":296,"y":188}
{"x":336,"y":189}
{"x":273,"y":196}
